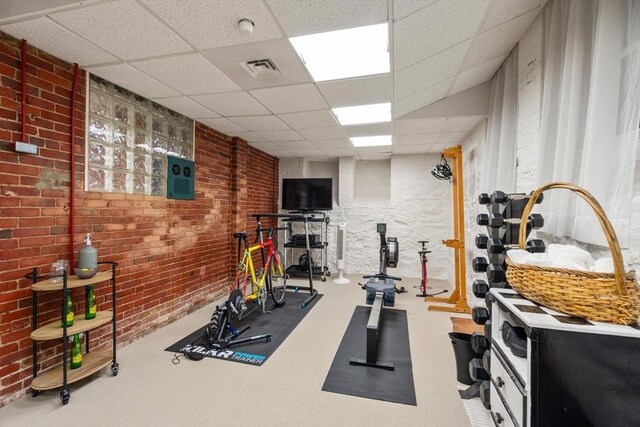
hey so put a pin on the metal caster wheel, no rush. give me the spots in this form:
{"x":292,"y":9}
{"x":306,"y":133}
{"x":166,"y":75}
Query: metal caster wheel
{"x":35,"y":393}
{"x":114,"y":369}
{"x":64,"y":396}
{"x":328,"y":273}
{"x":324,"y":279}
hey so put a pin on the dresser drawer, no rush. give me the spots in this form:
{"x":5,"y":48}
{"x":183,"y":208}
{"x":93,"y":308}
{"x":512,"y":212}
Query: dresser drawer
{"x":499,"y":413}
{"x":508,"y":389}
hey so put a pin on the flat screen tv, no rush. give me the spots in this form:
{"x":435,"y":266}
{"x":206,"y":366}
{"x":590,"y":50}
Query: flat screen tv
{"x":307,"y":194}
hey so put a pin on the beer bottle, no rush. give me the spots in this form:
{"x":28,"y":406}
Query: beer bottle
{"x":76,"y":352}
{"x":90,"y":303}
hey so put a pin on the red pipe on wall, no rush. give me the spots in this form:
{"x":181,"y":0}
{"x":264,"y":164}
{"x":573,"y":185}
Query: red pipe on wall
{"x":72,"y":187}
{"x":24,"y":91}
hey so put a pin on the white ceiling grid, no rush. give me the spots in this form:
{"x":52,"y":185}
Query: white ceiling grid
{"x":188,"y":55}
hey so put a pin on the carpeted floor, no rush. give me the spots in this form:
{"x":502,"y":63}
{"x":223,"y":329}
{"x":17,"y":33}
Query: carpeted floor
{"x":287,"y":391}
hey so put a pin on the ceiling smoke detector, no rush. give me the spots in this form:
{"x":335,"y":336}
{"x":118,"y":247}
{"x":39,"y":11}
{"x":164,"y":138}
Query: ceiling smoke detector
{"x":246,"y":26}
{"x":260,"y":67}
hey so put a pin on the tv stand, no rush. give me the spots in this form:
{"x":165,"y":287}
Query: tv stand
{"x":310,"y":218}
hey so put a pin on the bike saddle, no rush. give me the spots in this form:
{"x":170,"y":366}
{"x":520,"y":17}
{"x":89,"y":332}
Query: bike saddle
{"x":242,"y":235}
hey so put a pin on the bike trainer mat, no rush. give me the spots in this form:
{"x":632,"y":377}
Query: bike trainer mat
{"x":373,"y":383}
{"x":280,"y":323}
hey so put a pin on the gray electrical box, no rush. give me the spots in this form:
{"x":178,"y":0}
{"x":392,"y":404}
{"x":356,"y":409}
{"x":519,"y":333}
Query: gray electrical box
{"x":181,"y":178}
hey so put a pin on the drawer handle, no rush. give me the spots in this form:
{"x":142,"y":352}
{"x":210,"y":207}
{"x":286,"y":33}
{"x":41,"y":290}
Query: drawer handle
{"x":499,"y":418}
{"x":499,"y":382}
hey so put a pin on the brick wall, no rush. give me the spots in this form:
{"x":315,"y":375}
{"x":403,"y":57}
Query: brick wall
{"x":173,"y":256}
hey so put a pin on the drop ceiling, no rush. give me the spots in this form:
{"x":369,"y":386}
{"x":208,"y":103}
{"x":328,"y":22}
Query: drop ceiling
{"x":188,"y":56}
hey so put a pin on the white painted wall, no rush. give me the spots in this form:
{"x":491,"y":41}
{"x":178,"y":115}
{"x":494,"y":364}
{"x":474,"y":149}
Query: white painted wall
{"x":417,"y":207}
{"x":530,"y":83}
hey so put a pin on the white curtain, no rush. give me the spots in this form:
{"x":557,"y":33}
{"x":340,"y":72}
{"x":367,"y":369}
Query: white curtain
{"x":499,"y":150}
{"x":590,"y":114}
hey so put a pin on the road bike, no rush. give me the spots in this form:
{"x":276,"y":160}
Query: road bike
{"x":271,"y":279}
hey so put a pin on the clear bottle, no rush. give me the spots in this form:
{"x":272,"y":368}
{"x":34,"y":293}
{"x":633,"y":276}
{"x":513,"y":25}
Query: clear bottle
{"x":90,"y":307}
{"x":68,"y":320}
{"x":76,"y":352}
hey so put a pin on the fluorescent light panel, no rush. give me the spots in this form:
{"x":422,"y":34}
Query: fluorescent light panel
{"x":361,"y":114}
{"x":371,"y":141}
{"x":341,"y":54}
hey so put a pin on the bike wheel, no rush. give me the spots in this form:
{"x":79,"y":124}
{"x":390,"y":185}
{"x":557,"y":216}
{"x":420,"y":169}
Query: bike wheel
{"x":278,"y":279}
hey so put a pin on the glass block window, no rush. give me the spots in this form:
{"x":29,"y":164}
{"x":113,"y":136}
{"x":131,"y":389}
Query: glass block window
{"x":129,"y":139}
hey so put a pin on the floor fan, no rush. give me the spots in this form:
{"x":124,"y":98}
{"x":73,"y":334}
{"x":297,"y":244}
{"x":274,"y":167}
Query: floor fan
{"x":340,"y":253}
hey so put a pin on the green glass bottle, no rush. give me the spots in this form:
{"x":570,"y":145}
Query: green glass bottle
{"x":76,"y":352}
{"x":90,"y":308}
{"x":69,"y":304}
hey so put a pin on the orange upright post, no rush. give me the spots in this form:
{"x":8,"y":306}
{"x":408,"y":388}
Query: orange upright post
{"x":458,"y":298}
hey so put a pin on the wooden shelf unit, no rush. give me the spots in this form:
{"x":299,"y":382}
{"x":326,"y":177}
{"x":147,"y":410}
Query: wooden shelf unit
{"x":63,"y":375}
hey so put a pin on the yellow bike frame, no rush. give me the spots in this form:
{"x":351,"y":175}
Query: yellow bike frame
{"x":249,"y":271}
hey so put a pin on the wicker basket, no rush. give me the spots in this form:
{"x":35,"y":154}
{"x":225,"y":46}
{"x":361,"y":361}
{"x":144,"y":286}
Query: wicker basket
{"x":604,"y":297}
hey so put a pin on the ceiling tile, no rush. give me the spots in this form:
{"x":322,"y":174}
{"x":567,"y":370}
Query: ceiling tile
{"x":249,"y":137}
{"x":222,"y":125}
{"x":430,"y":71}
{"x":415,"y":126}
{"x":57,"y":40}
{"x":402,"y":8}
{"x":422,"y":139}
{"x":339,"y":152}
{"x":207,"y":24}
{"x":461,"y":124}
{"x":279,"y":135}
{"x":264,"y":146}
{"x":332,"y":143}
{"x":186,"y":106}
{"x":411,"y":149}
{"x":422,"y":98}
{"x":476,"y":76}
{"x":311,"y":16}
{"x":313,"y":154}
{"x":259,"y":123}
{"x":136,"y":81}
{"x":369,"y":129}
{"x":498,"y":41}
{"x":231,"y":61}
{"x":290,"y":99}
{"x":294,"y":145}
{"x":504,"y":11}
{"x":323,"y":133}
{"x":436,"y":28}
{"x":123,"y":28}
{"x":449,"y":137}
{"x":189,"y":74}
{"x":364,"y":155}
{"x":359,"y":91}
{"x":231,"y":103}
{"x":309,"y":119}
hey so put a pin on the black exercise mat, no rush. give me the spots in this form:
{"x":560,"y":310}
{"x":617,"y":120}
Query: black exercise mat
{"x":280,"y":322}
{"x":374,"y":383}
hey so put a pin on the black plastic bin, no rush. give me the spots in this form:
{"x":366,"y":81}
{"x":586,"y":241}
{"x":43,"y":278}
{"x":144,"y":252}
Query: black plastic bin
{"x":464,"y":354}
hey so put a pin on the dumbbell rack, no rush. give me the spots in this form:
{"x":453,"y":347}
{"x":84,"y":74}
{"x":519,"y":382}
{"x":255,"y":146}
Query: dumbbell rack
{"x":503,"y":227}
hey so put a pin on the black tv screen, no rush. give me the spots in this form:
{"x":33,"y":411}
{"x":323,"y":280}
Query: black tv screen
{"x":307,"y":194}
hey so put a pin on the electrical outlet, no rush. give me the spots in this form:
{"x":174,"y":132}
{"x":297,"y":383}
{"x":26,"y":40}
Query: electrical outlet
{"x":23,"y":147}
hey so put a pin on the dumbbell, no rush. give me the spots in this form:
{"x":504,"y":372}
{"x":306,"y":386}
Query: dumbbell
{"x":486,"y":361}
{"x":495,"y":246}
{"x":497,"y":220}
{"x":480,"y":288}
{"x":496,"y":273}
{"x":479,"y":264}
{"x":480,"y":315}
{"x":479,"y":343}
{"x":502,"y":197}
{"x":484,"y":199}
{"x":481,"y":241}
{"x":476,"y":370}
{"x":485,"y":393}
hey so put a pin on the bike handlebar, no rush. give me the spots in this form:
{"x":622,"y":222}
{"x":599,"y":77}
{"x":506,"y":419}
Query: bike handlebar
{"x":381,"y":276}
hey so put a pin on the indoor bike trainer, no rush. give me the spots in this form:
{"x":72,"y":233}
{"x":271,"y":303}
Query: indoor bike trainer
{"x":381,"y":290}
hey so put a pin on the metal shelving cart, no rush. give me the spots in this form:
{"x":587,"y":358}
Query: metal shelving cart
{"x":62,"y":375}
{"x":308,"y":218}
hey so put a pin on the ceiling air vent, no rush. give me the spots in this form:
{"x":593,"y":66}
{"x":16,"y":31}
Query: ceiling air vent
{"x":260,"y":67}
